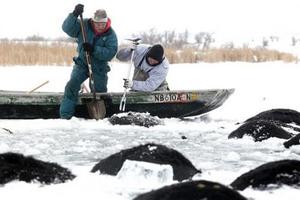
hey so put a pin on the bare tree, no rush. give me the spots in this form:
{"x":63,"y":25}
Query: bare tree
{"x":274,"y":38}
{"x":265,"y":42}
{"x":199,"y":38}
{"x":182,"y":39}
{"x":295,"y":41}
{"x":204,"y":39}
{"x":35,"y":38}
{"x":150,"y":37}
{"x":169,"y":38}
{"x":228,"y":45}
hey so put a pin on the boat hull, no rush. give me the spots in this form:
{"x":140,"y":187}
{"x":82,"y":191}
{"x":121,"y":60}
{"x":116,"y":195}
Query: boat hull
{"x":20,"y":105}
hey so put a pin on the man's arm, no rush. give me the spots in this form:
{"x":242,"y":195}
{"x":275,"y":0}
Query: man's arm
{"x":124,"y":54}
{"x":71,"y":26}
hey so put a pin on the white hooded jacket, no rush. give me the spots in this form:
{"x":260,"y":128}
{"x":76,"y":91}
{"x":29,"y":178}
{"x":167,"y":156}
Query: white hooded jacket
{"x":156,"y":74}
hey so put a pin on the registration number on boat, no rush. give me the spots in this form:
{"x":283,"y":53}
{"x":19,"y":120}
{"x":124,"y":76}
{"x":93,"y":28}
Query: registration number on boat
{"x":175,"y":97}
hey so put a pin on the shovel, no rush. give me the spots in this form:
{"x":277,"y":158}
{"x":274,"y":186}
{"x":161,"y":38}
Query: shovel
{"x":96,"y":108}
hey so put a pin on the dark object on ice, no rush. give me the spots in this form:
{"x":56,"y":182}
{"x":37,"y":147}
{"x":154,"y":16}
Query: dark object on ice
{"x":292,"y":141}
{"x":268,"y":124}
{"x":278,"y":115}
{"x":183,"y":137}
{"x":7,"y":130}
{"x":276,"y":173}
{"x":15,"y":166}
{"x":260,"y":130}
{"x":152,"y":153}
{"x":140,"y":119}
{"x":194,"y":190}
{"x":20,"y":105}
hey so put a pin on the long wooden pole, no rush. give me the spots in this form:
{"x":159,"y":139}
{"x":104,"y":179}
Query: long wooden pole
{"x":39,"y":86}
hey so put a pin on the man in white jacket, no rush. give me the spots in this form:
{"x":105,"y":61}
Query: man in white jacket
{"x":151,"y":68}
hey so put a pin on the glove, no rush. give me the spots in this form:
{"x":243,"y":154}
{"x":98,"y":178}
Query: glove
{"x":133,"y":46}
{"x":88,"y":47}
{"x":134,"y":43}
{"x":127,"y":83}
{"x":78,"y":10}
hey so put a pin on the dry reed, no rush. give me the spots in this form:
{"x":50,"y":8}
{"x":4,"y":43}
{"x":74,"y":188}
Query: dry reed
{"x":36,"y":53}
{"x":61,"y":53}
{"x":191,"y":55}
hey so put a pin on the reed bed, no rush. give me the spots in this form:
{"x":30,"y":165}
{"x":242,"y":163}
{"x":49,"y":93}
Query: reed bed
{"x":61,"y":54}
{"x":191,"y":55}
{"x":36,"y":53}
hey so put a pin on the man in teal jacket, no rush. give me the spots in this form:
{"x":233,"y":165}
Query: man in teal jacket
{"x":102,"y":45}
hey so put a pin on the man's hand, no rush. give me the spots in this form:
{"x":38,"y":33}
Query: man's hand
{"x":133,"y":46}
{"x":78,"y":10}
{"x":88,"y":47}
{"x":127,"y":83}
{"x":134,"y":43}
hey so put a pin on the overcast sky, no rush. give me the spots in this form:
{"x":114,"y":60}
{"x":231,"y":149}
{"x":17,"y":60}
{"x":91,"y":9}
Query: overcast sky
{"x":21,"y":18}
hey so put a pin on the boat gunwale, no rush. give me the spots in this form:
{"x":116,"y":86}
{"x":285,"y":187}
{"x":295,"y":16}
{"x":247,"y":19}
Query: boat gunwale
{"x":24,"y":93}
{"x":54,"y":98}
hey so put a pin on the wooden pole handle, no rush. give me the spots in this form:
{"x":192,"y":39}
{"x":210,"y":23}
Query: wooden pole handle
{"x":39,"y":86}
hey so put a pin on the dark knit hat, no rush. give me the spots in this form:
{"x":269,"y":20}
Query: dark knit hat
{"x":156,"y":52}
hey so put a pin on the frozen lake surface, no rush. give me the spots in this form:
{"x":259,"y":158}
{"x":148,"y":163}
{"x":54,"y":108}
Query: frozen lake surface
{"x":79,"y":144}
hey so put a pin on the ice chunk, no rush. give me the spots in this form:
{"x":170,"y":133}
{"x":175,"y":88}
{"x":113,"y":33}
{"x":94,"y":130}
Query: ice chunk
{"x":139,"y":171}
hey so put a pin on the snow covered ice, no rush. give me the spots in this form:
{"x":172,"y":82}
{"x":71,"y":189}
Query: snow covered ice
{"x":79,"y":144}
{"x":150,"y":173}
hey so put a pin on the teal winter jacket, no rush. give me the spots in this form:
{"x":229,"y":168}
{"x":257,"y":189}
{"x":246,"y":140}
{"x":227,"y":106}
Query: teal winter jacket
{"x":105,"y":45}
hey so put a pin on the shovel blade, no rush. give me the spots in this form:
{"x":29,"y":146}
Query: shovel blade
{"x":96,"y":109}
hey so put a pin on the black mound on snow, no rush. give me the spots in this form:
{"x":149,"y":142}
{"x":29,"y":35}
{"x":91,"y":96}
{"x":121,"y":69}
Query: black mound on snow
{"x":276,"y":173}
{"x":292,"y":141}
{"x":152,"y":153}
{"x":15,"y":166}
{"x":134,"y":118}
{"x":194,"y":190}
{"x":260,"y":130}
{"x":270,"y":123}
{"x":278,"y":115}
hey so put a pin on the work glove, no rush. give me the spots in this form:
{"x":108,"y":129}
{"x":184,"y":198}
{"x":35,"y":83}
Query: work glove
{"x":127,"y":83}
{"x":88,"y":47}
{"x":133,"y":46}
{"x":78,"y":10}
